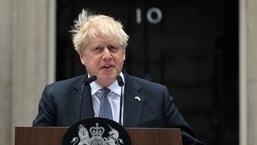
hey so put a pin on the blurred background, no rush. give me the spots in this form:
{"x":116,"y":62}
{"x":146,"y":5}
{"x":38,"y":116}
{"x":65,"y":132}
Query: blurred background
{"x":190,"y":46}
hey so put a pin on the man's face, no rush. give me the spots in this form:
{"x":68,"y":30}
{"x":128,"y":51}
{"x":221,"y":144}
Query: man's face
{"x":103,"y":58}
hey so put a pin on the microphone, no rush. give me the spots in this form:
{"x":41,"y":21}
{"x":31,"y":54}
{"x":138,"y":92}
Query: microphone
{"x":121,"y":84}
{"x":120,"y":81}
{"x":86,"y":82}
{"x":90,"y":80}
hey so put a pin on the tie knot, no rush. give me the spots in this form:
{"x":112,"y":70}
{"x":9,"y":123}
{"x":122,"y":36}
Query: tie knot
{"x":103,"y":92}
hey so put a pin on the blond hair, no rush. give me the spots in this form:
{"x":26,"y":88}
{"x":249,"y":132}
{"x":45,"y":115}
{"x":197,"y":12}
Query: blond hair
{"x":90,"y":26}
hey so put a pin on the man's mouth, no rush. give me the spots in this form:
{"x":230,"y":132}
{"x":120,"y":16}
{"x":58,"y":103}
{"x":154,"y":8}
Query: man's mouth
{"x":107,"y":66}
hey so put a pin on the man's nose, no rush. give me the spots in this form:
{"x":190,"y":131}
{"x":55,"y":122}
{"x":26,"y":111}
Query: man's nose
{"x":106,"y":53}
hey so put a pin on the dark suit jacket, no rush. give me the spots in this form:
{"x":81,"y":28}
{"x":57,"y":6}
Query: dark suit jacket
{"x":59,"y":106}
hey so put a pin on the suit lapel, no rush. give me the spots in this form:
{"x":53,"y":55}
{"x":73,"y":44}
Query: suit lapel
{"x":133,"y":102}
{"x":86,"y":105}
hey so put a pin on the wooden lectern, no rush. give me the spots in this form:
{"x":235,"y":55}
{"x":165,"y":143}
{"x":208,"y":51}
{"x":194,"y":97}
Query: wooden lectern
{"x":138,"y":136}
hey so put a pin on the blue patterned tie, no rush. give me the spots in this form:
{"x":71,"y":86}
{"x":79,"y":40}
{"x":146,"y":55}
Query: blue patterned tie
{"x":105,"y":107}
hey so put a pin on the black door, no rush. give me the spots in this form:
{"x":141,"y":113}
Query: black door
{"x":190,"y":46}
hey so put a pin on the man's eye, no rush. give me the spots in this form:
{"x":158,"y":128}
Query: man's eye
{"x":97,"y":49}
{"x":113,"y":49}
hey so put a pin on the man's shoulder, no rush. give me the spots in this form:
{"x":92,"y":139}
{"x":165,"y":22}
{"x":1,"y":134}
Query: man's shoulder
{"x":144,"y":81}
{"x":78,"y":80}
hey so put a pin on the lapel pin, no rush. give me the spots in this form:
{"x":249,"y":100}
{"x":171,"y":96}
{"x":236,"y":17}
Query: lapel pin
{"x":138,"y":98}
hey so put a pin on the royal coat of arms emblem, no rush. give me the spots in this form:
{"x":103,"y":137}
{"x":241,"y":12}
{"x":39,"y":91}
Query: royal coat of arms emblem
{"x":96,"y":131}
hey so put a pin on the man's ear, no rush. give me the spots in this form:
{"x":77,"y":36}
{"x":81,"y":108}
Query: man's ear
{"x":81,"y":56}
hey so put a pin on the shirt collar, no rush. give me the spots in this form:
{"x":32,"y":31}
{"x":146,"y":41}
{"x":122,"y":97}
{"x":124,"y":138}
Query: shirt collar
{"x":114,"y":87}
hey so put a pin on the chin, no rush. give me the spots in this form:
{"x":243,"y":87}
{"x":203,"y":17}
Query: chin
{"x":105,"y":81}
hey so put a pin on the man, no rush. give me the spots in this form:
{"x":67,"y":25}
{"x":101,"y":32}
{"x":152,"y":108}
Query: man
{"x":101,"y":44}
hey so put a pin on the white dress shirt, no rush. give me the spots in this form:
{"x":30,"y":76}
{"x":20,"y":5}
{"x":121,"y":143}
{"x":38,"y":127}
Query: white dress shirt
{"x":113,"y":97}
